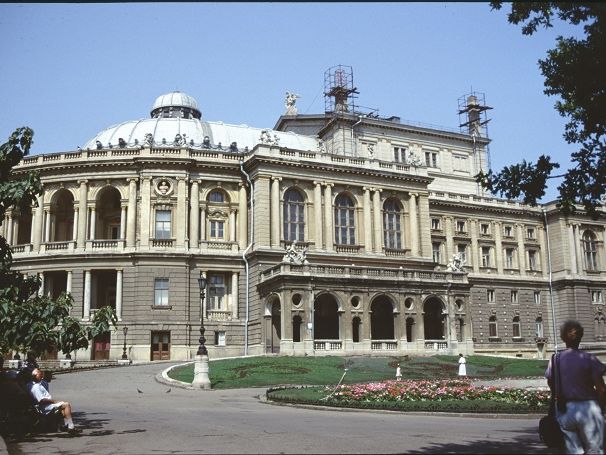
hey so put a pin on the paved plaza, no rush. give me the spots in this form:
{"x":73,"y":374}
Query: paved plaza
{"x":117,"y":418}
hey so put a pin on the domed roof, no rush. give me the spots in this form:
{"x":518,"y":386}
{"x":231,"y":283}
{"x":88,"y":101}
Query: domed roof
{"x":175,"y":99}
{"x":176,"y":121}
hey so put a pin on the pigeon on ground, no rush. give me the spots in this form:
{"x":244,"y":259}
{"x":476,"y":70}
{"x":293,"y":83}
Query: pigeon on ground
{"x":139,"y":390}
{"x":168,"y":391}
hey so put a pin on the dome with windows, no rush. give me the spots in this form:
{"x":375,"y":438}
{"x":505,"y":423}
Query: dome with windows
{"x":176,"y":121}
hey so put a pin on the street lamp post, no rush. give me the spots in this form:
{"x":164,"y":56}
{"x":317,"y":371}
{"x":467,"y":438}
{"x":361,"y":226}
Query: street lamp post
{"x":124,"y":356}
{"x":201,"y":368}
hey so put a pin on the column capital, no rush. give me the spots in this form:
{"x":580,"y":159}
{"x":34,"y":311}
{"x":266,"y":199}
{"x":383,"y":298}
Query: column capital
{"x":196,"y":181}
{"x":366,"y":188}
{"x":132,"y":179}
{"x":119,"y":269}
{"x":83,"y":182}
{"x":413,"y":194}
{"x":377,"y":190}
{"x":317,"y":183}
{"x":329,"y":184}
{"x":147,"y":178}
{"x":279,"y":179}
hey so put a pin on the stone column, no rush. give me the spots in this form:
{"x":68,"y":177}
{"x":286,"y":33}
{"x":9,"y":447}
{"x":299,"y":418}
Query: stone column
{"x":119,"y":294}
{"x":42,"y":284}
{"x":145,"y":211}
{"x":318,"y":215}
{"x":367,"y":221}
{"x":262,"y":212}
{"x":577,"y":248}
{"x":521,"y":249}
{"x":275,"y":212}
{"x":414,"y":225}
{"x":473,"y":254}
{"x":234,"y":295}
{"x":329,"y":234}
{"x":543,"y":252}
{"x":449,"y":232}
{"x":75,"y":225}
{"x":424,"y":235}
{"x":498,"y":233}
{"x":203,"y":223}
{"x":131,"y":213}
{"x":181,"y":219}
{"x":232,"y":225}
{"x":378,"y":231}
{"x":9,"y":229}
{"x":194,"y":215}
{"x":87,"y":293}
{"x":47,"y":225}
{"x":82,"y":213}
{"x":38,"y":221}
{"x":16,"y":231}
{"x":32,"y":230}
{"x":68,"y":285}
{"x":123,"y":222}
{"x":242,"y":217}
{"x":93,"y":223}
{"x":571,"y":246}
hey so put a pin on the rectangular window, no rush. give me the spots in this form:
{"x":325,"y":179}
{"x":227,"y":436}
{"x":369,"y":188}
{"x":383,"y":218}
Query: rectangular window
{"x":509,"y":258}
{"x":532,"y":260}
{"x":435,"y":224}
{"x":514,"y":296}
{"x":431,"y":159}
{"x":217,"y":229}
{"x":484,"y":228}
{"x":539,"y":328}
{"x":461,"y":226}
{"x":217,"y":292}
{"x":163,"y":221}
{"x":508,"y":231}
{"x":460,"y":163}
{"x":399,"y":154}
{"x":517,"y":332}
{"x":161,"y":292}
{"x":220,"y":338}
{"x":530,"y":233}
{"x":537,"y":297}
{"x":462,"y":250}
{"x":436,"y":246}
{"x":596,"y":297}
{"x":490,"y":296}
{"x":492,"y":328}
{"x":485,"y":256}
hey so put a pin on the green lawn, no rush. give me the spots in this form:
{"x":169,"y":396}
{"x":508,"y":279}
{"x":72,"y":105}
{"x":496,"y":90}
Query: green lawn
{"x":269,"y":371}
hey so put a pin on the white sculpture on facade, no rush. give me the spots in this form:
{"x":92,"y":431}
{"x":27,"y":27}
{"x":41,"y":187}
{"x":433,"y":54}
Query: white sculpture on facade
{"x":456,"y":264}
{"x":149,"y":139}
{"x":266,"y":138}
{"x":294,"y":255}
{"x":289,"y":103}
{"x":413,"y":159}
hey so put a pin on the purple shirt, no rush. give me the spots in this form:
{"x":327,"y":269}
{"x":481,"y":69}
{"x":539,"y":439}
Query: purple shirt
{"x":578,"y":371}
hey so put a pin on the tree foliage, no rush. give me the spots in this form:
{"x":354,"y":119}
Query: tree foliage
{"x":575,"y":72}
{"x":29,"y":321}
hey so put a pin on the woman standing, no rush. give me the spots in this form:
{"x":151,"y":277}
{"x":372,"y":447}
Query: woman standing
{"x":462,"y":367}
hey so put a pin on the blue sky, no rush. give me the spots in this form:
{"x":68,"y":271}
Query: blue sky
{"x":71,"y":70}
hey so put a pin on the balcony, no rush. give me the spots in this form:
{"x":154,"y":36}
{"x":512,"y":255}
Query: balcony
{"x":383,"y":345}
{"x":328,"y":345}
{"x":219,"y":315}
{"x":436,"y":345}
{"x":162,"y":243}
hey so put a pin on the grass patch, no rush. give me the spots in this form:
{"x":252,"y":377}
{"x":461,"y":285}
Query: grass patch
{"x":272,"y":371}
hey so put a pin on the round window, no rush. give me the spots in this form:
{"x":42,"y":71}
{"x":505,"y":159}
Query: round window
{"x":296,"y":299}
{"x":355,"y":301}
{"x":408,"y":303}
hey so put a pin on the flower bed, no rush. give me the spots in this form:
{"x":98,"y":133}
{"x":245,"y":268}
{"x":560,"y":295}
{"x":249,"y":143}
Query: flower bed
{"x":439,"y":390}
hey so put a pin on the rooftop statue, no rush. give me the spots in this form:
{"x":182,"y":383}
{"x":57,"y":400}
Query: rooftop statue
{"x":289,"y":103}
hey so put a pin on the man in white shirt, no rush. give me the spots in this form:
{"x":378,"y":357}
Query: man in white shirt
{"x":45,"y":402}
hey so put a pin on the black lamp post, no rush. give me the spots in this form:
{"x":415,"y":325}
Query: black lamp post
{"x":124,"y":331}
{"x":202,"y":348}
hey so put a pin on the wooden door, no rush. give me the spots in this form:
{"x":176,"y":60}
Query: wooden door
{"x":101,"y":346}
{"x":160,"y":346}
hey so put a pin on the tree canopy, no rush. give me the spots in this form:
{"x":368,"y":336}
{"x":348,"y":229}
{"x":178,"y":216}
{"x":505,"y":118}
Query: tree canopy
{"x":575,"y":72}
{"x":29,"y":321}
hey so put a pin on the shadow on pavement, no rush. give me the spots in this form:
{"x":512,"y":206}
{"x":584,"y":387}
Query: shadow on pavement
{"x":526,"y":443}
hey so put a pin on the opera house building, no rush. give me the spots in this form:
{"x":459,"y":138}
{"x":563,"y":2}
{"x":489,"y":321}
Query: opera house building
{"x":329,"y":234}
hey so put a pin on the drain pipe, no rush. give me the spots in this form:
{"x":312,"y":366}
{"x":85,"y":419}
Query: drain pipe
{"x":553,"y":316}
{"x":245,"y":252}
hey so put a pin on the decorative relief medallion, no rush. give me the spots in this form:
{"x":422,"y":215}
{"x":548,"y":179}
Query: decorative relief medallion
{"x":163,"y":186}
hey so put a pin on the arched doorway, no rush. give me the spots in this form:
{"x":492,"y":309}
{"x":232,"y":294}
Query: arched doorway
{"x":381,"y":319}
{"x":296,"y":328}
{"x":108,"y":214}
{"x":62,"y":211}
{"x":434,"y":319}
{"x":355,"y":329}
{"x":276,"y":326}
{"x":410,"y":322}
{"x":326,"y":318}
{"x":25,"y":227}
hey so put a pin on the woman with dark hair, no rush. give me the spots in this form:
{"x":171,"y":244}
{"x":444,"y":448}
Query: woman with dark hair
{"x":581,"y":390}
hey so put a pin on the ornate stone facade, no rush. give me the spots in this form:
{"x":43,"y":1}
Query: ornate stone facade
{"x":134,"y":226}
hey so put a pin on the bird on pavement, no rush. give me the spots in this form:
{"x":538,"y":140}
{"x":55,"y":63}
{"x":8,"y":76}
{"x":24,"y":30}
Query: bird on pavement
{"x":139,"y":390}
{"x":168,"y":391}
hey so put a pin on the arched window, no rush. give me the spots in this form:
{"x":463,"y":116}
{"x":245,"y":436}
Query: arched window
{"x":216,"y":196}
{"x":294,"y":216}
{"x":590,"y":248}
{"x":345,"y":223}
{"x":492,"y":327}
{"x":516,"y":327}
{"x":392,"y":233}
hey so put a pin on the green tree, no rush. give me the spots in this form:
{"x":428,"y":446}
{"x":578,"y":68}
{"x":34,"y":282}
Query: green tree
{"x":575,"y":72}
{"x":29,"y":321}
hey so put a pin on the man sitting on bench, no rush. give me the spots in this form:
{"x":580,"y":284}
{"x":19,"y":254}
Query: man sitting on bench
{"x":45,"y":402}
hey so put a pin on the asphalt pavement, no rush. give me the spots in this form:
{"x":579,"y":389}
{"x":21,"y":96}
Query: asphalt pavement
{"x":126,"y":410}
